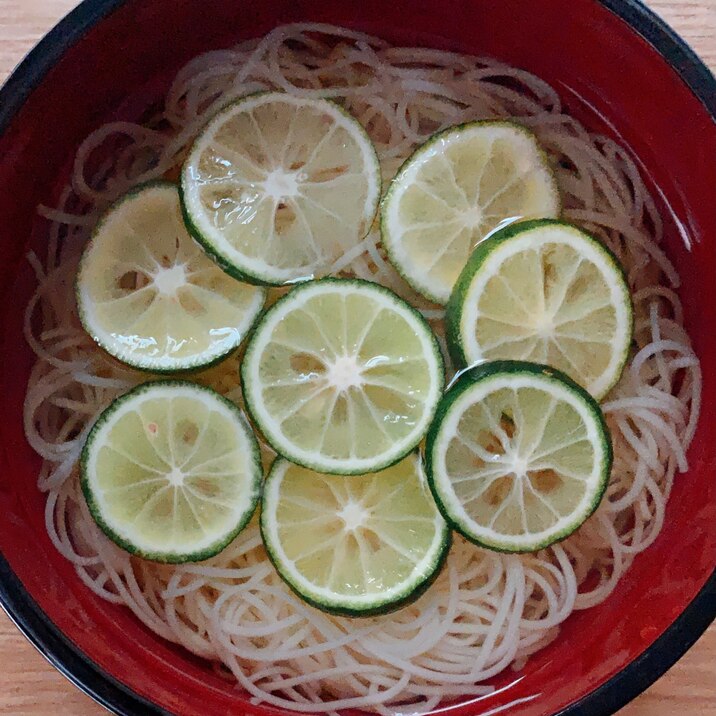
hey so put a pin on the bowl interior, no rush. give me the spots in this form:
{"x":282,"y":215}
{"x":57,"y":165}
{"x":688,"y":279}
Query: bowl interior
{"x":608,"y":76}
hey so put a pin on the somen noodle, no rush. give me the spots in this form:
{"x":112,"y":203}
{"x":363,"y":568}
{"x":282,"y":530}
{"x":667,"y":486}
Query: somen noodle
{"x":487,"y":611}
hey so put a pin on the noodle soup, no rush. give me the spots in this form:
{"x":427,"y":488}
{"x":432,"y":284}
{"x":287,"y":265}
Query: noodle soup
{"x":486,"y":611}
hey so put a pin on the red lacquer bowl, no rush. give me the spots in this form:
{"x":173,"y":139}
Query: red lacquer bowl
{"x":618,"y":68}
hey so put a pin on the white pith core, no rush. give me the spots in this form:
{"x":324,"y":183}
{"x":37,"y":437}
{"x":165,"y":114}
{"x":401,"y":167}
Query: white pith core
{"x":353,"y":515}
{"x":169,"y":280}
{"x":280,"y":184}
{"x":345,"y":373}
{"x":175,"y":477}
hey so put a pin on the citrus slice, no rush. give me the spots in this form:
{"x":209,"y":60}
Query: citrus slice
{"x":149,"y":296}
{"x":171,"y":471}
{"x":355,"y":546}
{"x":453,"y":191}
{"x":518,"y":457}
{"x":547,"y":292}
{"x":277,"y":187}
{"x":342,"y":376}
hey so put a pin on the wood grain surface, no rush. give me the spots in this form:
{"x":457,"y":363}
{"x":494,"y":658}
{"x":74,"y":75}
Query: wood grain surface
{"x":31,"y":687}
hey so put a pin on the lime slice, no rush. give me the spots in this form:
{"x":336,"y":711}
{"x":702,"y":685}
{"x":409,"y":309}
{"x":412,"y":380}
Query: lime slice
{"x":342,"y":376}
{"x":355,"y":546}
{"x":546,"y":292}
{"x":277,"y":187}
{"x":453,"y":191}
{"x":171,"y":471}
{"x":149,"y":296}
{"x":518,"y":457}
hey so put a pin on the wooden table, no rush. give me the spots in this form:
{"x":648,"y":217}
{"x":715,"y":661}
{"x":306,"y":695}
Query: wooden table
{"x":30,"y":687}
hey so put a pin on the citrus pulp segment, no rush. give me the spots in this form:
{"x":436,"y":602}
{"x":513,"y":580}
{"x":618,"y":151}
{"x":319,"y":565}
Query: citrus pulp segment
{"x":518,"y":457}
{"x":148,"y":294}
{"x":171,"y":471}
{"x":453,"y":191}
{"x":342,"y":376}
{"x":547,"y":292}
{"x":277,"y":187}
{"x":355,"y":546}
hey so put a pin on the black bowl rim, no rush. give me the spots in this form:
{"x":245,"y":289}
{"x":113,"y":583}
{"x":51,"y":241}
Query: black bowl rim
{"x":118,"y":698}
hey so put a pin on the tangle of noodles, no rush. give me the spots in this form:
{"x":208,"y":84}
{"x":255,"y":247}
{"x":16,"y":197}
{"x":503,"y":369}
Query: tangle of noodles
{"x":487,"y":611}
